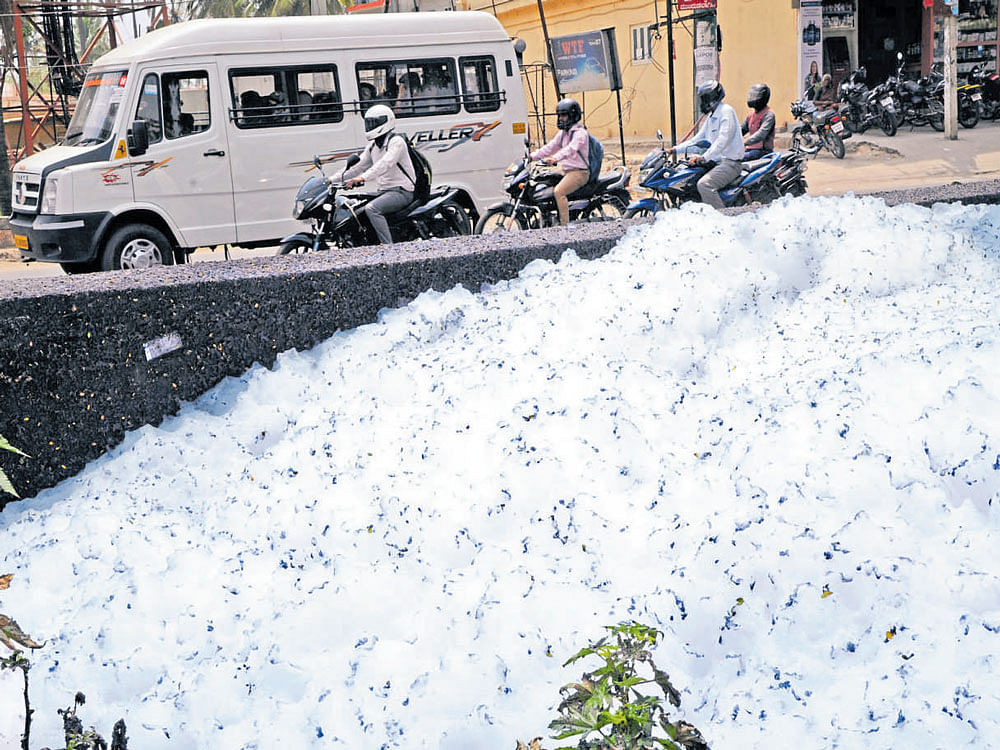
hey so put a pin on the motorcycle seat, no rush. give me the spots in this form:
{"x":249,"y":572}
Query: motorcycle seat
{"x":755,"y":164}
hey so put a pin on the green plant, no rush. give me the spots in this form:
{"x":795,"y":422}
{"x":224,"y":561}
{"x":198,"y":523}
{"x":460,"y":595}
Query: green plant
{"x":5,"y":485}
{"x":608,"y":708}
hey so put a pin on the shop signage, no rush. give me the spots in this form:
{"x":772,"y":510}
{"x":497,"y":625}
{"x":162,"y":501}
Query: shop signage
{"x":810,"y":40}
{"x":684,"y":5}
{"x":587,"y":61}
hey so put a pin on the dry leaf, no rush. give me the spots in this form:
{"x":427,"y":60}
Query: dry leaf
{"x":5,"y":581}
{"x":11,"y":633}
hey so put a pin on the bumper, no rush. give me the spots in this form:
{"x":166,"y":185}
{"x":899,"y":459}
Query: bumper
{"x":59,"y":239}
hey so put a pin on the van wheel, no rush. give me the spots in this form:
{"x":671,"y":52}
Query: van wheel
{"x":136,"y":246}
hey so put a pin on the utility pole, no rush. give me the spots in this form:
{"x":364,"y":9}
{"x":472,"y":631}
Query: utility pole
{"x":670,"y":73}
{"x":950,"y":24}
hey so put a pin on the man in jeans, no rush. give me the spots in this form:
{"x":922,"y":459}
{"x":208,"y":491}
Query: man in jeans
{"x":387,"y":161}
{"x":570,"y":149}
{"x":721,"y":130}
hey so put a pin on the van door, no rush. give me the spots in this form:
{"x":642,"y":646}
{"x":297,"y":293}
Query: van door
{"x":185,"y":173}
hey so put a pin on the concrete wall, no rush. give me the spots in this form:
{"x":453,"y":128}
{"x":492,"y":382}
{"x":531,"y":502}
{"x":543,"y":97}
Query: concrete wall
{"x":74,"y":376}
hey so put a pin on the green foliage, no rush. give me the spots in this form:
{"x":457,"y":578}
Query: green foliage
{"x":608,"y":708}
{"x":5,"y":485}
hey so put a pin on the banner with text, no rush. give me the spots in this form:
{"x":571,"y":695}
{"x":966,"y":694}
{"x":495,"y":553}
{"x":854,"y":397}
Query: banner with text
{"x":810,"y":41}
{"x":587,"y":61}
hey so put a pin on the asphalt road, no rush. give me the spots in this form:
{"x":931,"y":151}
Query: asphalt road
{"x":916,"y":157}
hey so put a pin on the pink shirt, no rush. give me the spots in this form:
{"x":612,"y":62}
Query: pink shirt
{"x":570,"y":149}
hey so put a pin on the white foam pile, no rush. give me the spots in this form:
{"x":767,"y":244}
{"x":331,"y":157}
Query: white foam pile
{"x":776,"y":437}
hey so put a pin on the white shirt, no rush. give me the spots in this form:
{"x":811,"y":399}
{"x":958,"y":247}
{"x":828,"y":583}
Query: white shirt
{"x":389,"y":167}
{"x":721,"y":128}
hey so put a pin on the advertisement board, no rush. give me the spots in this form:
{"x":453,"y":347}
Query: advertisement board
{"x":686,"y":5}
{"x":587,"y":61}
{"x":810,"y":40}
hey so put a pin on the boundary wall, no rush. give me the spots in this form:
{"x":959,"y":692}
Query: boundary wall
{"x":84,"y":359}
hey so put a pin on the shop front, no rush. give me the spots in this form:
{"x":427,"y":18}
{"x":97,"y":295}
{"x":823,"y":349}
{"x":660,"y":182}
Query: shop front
{"x":872,"y":32}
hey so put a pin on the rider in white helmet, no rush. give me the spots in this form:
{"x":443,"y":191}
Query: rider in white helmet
{"x":387,"y":161}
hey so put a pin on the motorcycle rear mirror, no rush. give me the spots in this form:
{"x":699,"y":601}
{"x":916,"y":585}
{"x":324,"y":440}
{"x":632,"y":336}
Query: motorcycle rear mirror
{"x":352,"y":160}
{"x":317,"y":163}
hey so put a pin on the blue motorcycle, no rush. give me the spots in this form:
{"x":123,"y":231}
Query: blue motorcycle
{"x":674,"y":183}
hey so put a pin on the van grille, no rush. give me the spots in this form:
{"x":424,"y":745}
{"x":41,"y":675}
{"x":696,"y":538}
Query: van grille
{"x":25,"y":196}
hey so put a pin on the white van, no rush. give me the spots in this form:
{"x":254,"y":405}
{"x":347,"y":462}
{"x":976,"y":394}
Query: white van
{"x":235,"y":111}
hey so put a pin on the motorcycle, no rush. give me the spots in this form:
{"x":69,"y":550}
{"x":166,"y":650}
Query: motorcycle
{"x":676,"y":182}
{"x":532,"y":202}
{"x":988,"y":87}
{"x":818,"y":129}
{"x":341,"y":221}
{"x":863,"y":107}
{"x":918,"y":102}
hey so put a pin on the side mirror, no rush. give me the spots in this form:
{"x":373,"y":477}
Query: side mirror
{"x":137,"y":138}
{"x":659,"y":134}
{"x":352,"y":160}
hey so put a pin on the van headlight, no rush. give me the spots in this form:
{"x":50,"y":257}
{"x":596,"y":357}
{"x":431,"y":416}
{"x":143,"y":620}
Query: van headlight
{"x":55,"y":194}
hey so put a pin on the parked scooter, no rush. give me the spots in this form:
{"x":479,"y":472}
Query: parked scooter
{"x":532,"y":201}
{"x":818,"y":129}
{"x":341,"y":221}
{"x":863,"y":107}
{"x":676,"y":182}
{"x":988,"y":88}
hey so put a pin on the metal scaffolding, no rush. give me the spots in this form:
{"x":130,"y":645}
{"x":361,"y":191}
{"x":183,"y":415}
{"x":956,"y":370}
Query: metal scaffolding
{"x":49,"y":82}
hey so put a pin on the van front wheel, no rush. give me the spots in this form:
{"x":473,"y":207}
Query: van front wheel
{"x":136,"y":246}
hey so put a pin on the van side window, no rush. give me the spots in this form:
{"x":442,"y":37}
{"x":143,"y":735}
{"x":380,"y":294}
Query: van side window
{"x":185,"y":103}
{"x":287,"y":95}
{"x":149,"y":107}
{"x":413,"y":88}
{"x":479,"y":84}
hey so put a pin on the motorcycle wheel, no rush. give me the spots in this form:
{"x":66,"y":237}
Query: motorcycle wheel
{"x":835,"y":144}
{"x":607,"y":208}
{"x":804,"y":142}
{"x":454,"y":221}
{"x":500,"y":220}
{"x":936,"y":116}
{"x":639,"y":213}
{"x":968,"y":112}
{"x":294,"y":247}
{"x":888,"y":123}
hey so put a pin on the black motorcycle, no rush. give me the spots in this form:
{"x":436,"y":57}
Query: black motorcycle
{"x":864,"y":108}
{"x":532,"y":202}
{"x":818,"y":129}
{"x":919,"y":102}
{"x":341,"y":221}
{"x":987,"y":85}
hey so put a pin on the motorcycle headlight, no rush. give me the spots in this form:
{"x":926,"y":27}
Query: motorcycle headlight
{"x":645,"y":174}
{"x":56,"y":187}
{"x":297,"y":211}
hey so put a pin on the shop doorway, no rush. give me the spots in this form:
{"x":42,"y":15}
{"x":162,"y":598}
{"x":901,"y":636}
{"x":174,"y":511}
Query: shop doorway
{"x":886,"y":27}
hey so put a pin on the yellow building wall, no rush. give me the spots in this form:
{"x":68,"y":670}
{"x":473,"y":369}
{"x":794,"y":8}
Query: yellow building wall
{"x":759,"y":45}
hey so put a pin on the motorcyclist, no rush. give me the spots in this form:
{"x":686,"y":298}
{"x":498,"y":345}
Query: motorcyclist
{"x":758,"y":127}
{"x":387,"y":161}
{"x":721,"y":129}
{"x":570,"y":150}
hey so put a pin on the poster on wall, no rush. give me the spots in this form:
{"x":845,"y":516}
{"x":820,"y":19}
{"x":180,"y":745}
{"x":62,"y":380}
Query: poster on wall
{"x":587,"y":61}
{"x":706,"y":54}
{"x":810,"y":40}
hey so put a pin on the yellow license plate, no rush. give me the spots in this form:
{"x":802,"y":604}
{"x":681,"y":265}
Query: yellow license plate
{"x":20,"y":241}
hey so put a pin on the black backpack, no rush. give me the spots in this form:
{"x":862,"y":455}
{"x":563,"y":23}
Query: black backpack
{"x":422,"y":181}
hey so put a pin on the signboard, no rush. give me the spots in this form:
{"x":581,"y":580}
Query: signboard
{"x":810,"y":40}
{"x":685,"y":5}
{"x":587,"y":61}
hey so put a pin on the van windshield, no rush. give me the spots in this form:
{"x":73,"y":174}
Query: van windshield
{"x":96,"y":109}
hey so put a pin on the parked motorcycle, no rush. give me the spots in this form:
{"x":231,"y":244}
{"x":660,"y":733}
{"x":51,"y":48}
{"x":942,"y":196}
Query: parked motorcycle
{"x":676,"y":182}
{"x":863,"y":107}
{"x":818,"y":129}
{"x":532,"y":201}
{"x":918,"y":102}
{"x":989,"y":91}
{"x":341,"y":221}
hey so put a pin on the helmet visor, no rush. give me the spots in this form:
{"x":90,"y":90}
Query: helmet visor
{"x":375,"y":122}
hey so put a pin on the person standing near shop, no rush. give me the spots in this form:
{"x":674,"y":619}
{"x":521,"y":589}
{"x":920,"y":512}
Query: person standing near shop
{"x":721,"y":130}
{"x":758,"y":127}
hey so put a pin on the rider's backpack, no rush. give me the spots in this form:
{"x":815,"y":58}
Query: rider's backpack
{"x":595,"y":158}
{"x":424,"y":174}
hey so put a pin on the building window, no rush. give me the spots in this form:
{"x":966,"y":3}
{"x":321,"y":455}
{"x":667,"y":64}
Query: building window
{"x":413,"y":88}
{"x":275,"y":97}
{"x":642,"y":43}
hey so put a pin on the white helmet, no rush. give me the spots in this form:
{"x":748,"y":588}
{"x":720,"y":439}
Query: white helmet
{"x":379,"y":120}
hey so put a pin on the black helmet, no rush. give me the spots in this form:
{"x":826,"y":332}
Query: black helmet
{"x":710,"y":93}
{"x":568,"y":114}
{"x":758,"y":96}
